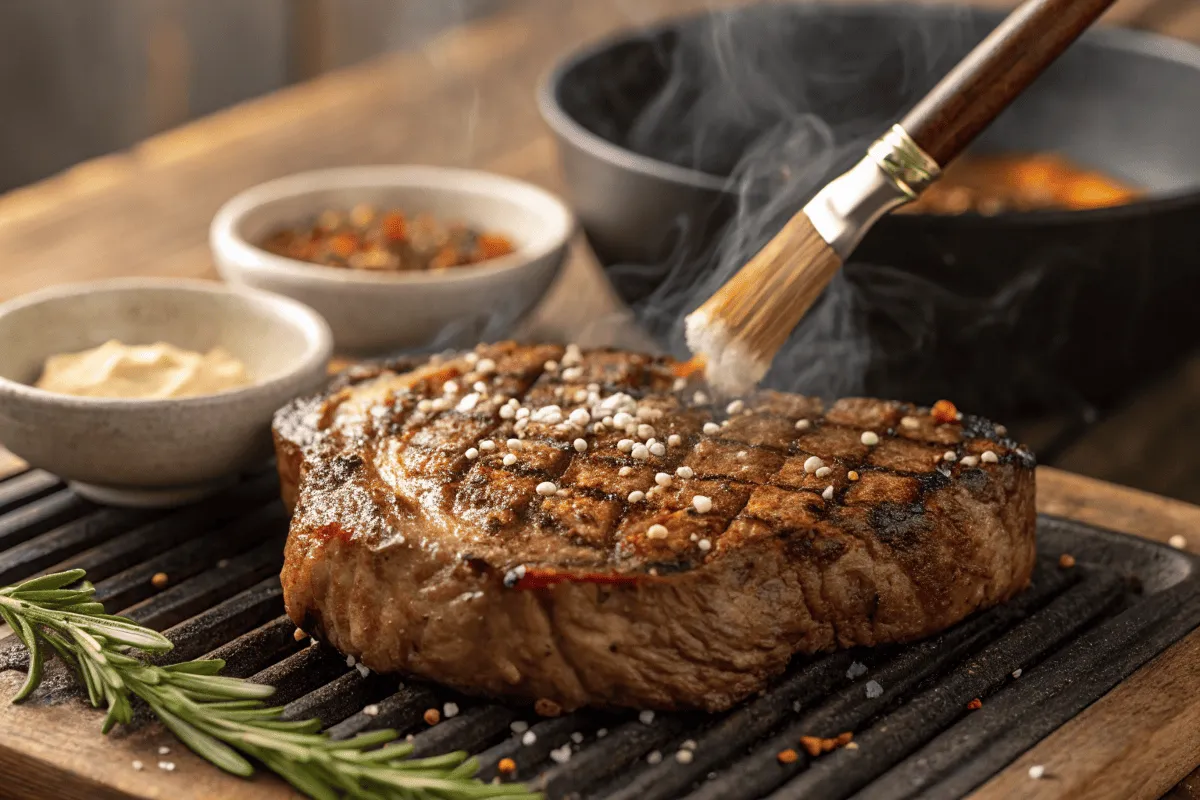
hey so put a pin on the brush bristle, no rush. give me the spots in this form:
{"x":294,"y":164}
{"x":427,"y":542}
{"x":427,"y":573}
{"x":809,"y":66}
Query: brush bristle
{"x":741,"y":327}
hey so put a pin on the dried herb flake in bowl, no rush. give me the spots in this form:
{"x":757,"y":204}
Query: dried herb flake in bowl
{"x":366,"y":238}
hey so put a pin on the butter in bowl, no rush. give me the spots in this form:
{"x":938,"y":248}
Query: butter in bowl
{"x":152,"y":392}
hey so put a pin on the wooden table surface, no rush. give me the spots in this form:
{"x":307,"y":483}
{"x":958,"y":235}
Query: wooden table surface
{"x":467,"y":99}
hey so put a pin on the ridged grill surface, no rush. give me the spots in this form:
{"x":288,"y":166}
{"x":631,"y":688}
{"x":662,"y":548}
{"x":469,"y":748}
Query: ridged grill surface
{"x":1074,"y":634}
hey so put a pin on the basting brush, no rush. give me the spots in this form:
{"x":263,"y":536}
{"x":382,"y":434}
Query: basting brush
{"x":738,"y":331}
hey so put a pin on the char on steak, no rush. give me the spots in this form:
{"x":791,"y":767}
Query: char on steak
{"x":534,"y":522}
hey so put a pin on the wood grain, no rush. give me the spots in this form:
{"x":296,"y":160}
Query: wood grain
{"x":995,"y":73}
{"x":146,"y":211}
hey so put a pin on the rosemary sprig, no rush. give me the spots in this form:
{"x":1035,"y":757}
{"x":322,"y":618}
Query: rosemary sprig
{"x":223,"y":720}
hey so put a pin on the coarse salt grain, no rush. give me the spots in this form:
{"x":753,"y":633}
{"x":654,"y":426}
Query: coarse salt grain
{"x":529,"y":738}
{"x":1178,"y":542}
{"x":520,"y":726}
{"x":645,"y":431}
{"x":480,"y":387}
{"x":487,"y":445}
{"x":351,"y":661}
{"x":705,"y":545}
{"x":656,"y":532}
{"x":970,"y":461}
{"x":523,"y":413}
{"x":1016,"y":673}
{"x":910,"y":422}
{"x":621,"y":419}
{"x":949,"y":455}
{"x":828,"y":493}
{"x":646,"y":717}
{"x":507,"y":412}
{"x":684,"y":756}
{"x":561,"y":755}
{"x":812,"y":464}
{"x":857,"y":670}
{"x":874,"y":689}
{"x":637,"y":496}
{"x":580,"y":416}
{"x":658,"y":449}
{"x":515,"y":444}
{"x":580,"y":445}
{"x":689,"y":744}
{"x":363,"y":669}
{"x":624,"y":471}
{"x":450,"y":710}
{"x":601,"y":733}
{"x":162,"y":751}
{"x":702,"y":504}
{"x":869,"y":438}
{"x":550,"y":366}
{"x":577,"y":737}
{"x":485,"y":365}
{"x":640,"y":452}
{"x":371,"y":710}
{"x":662,"y":479}
{"x":654,"y":757}
{"x":684,"y":472}
{"x":425,"y":406}
{"x":472,"y":454}
{"x":509,"y":459}
{"x":803,"y":424}
{"x":1037,"y":771}
{"x":625,"y":445}
{"x":450,"y":387}
{"x":711,"y":428}
{"x":546,"y":488}
{"x":167,"y":766}
{"x":139,"y":766}
{"x":988,"y":457}
{"x":823,"y":472}
{"x":673,"y":440}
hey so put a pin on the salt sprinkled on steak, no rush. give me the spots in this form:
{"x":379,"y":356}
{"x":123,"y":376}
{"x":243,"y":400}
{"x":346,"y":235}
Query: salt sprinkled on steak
{"x":591,"y":530}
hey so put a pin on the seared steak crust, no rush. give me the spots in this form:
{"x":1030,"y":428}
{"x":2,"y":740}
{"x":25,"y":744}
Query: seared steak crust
{"x":437,"y":533}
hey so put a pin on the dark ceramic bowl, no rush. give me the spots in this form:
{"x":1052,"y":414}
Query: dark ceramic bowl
{"x":686,"y":145}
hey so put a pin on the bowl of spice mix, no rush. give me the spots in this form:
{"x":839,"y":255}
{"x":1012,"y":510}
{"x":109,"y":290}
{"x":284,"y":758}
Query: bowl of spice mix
{"x":397,"y":257}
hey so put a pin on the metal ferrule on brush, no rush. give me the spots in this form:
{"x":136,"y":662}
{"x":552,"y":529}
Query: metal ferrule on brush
{"x":895,"y":171}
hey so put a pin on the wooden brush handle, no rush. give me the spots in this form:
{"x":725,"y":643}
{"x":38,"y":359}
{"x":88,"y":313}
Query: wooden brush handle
{"x":995,"y":72}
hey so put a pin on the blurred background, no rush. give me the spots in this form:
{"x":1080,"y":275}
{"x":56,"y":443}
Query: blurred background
{"x":80,"y":80}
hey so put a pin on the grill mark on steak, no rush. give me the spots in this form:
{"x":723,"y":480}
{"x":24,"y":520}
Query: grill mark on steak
{"x":906,"y":547}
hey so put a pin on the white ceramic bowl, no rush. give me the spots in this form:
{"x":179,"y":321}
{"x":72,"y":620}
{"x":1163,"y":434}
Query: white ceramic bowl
{"x":376,"y":312}
{"x":154,"y":452}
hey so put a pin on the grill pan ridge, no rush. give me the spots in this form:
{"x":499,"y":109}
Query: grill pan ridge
{"x":1074,"y":635}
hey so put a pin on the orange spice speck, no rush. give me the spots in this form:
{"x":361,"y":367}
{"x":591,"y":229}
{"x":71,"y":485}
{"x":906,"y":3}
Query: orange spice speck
{"x":344,"y":244}
{"x":395,"y":227}
{"x":432,"y":716}
{"x":506,"y":766}
{"x":547,"y":708}
{"x":788,"y":756}
{"x":299,"y":635}
{"x":844,"y":739}
{"x":159,"y":580}
{"x":811,"y":744}
{"x":491,"y":245}
{"x":944,"y":412}
{"x":852,"y":475}
{"x":686,"y":369}
{"x":1066,"y":561}
{"x":975,"y":705}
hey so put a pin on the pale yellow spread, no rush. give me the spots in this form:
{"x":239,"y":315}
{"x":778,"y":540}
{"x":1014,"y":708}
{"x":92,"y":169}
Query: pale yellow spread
{"x":142,"y":371}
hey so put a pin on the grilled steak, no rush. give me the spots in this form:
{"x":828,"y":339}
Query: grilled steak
{"x":529,"y":522}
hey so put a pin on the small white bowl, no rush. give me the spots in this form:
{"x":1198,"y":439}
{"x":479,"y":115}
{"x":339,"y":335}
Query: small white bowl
{"x":154,"y":452}
{"x":376,"y":312}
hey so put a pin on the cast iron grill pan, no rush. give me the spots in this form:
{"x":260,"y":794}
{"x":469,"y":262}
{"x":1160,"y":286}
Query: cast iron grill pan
{"x":1074,"y":635}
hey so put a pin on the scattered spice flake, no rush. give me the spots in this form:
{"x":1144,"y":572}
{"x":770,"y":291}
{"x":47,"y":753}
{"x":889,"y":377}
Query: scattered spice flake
{"x":506,"y":766}
{"x":788,"y":756}
{"x":874,"y":689}
{"x":811,"y":745}
{"x":299,"y":635}
{"x":432,"y":716}
{"x":546,"y":707}
{"x":160,"y":580}
{"x":975,"y":705}
{"x":1066,"y":561}
{"x":944,"y":412}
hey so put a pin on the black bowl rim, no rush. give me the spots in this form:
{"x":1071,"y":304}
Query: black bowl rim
{"x":1125,"y":40}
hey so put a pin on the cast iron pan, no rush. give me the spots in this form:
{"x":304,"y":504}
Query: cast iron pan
{"x":686,"y":146}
